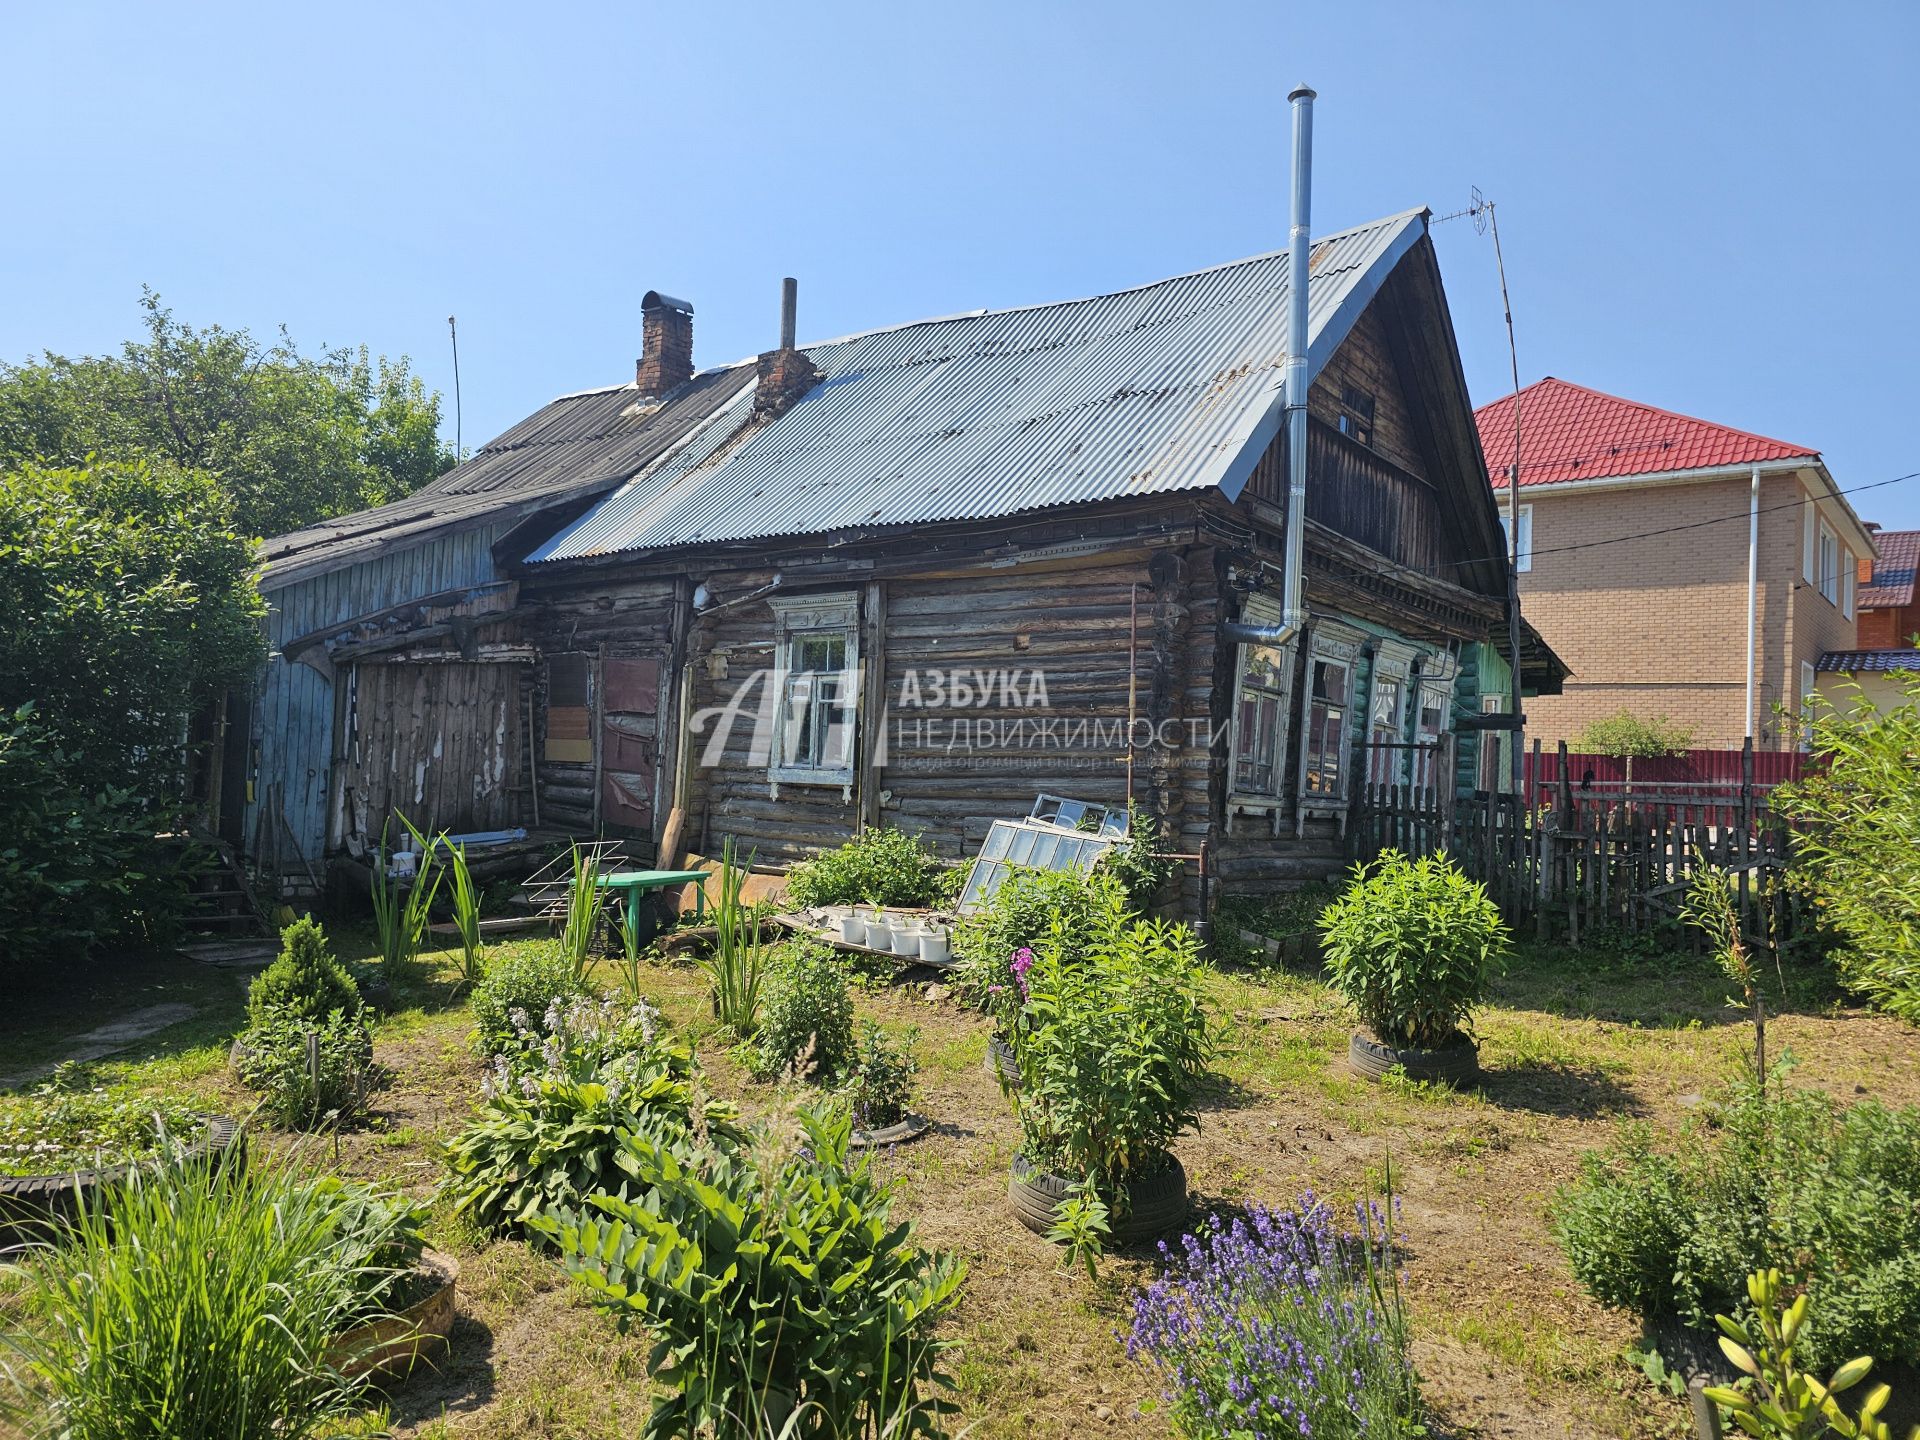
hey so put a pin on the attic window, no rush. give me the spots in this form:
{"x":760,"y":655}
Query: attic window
{"x":1356,"y":414}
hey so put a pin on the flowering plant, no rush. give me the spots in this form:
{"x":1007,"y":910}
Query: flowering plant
{"x":59,"y":1128}
{"x":1277,"y":1326}
{"x":578,"y":1037}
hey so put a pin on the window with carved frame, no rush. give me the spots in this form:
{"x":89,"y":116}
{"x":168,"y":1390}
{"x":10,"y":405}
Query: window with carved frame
{"x":816,"y":678}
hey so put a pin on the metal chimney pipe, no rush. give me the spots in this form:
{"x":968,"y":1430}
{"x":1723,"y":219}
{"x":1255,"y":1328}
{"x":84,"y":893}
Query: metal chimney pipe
{"x":1298,"y":372}
{"x":1293,"y":616}
{"x":789,"y":310}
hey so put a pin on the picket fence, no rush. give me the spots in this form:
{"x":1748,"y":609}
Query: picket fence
{"x":1567,"y":860}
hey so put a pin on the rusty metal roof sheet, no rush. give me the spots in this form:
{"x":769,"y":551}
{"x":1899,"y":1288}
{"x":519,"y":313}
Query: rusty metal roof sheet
{"x":1171,"y":386}
{"x":568,"y":448}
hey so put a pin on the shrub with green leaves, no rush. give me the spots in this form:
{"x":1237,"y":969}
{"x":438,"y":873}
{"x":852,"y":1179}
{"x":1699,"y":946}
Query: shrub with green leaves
{"x":806,"y":1019}
{"x":1138,"y":864}
{"x":308,"y":1072}
{"x":1071,"y":908}
{"x":1117,"y":1039}
{"x":378,"y":1239}
{"x":304,"y":981}
{"x":1784,"y":1175}
{"x":1856,"y":841}
{"x":1411,"y":946}
{"x":580,"y":1037}
{"x":877,"y":1083}
{"x":782,"y":1296}
{"x":516,"y":993}
{"x":1625,"y":734}
{"x":195,"y":1302}
{"x":879,"y":867}
{"x":547,"y":1138}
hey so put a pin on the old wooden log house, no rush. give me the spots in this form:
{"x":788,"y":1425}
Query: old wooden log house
{"x":914,"y":576}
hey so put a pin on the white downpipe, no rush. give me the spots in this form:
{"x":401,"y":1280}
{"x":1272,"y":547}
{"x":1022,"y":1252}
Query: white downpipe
{"x":1753,"y":585}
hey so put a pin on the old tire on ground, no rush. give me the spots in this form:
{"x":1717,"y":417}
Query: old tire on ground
{"x":1455,"y":1064}
{"x":1157,"y":1200}
{"x":1001,"y":1063}
{"x":30,"y":1205}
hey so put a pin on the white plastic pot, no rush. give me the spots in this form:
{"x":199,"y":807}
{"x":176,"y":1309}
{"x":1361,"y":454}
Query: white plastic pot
{"x":933,"y":947}
{"x":906,"y":940}
{"x":853,"y":930}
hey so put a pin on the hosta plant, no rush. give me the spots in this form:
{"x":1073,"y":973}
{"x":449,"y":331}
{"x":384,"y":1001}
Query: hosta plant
{"x":521,"y":987}
{"x":782,"y":1296}
{"x":1411,"y":946}
{"x":541,"y":1140}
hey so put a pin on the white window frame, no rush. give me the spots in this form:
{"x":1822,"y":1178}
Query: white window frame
{"x":1849,"y":571}
{"x":1526,"y":536}
{"x":1261,"y":610}
{"x":799,"y":618}
{"x":1809,"y":552}
{"x":1332,"y":643}
{"x":1829,"y":564}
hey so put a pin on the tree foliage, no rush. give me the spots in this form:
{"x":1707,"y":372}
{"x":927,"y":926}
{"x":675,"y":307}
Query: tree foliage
{"x":293,"y":438}
{"x":1857,"y":841}
{"x":128,"y":602}
{"x":1627,"y":734}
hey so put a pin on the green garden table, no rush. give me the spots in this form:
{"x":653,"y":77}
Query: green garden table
{"x":634,"y":883}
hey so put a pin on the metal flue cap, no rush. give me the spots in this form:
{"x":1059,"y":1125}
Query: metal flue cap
{"x":654,"y":300}
{"x":1302,"y":91}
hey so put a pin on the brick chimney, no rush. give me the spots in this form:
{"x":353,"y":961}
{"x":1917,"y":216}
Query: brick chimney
{"x":782,"y":376}
{"x":667,"y":344}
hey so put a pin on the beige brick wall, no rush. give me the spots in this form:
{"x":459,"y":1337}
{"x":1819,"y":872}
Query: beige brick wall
{"x":1657,"y":625}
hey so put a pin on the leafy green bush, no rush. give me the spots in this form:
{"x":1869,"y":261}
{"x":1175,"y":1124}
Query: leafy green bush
{"x":806,"y":1021}
{"x":1137,"y":864}
{"x":1116,"y":1040}
{"x":879,"y":867}
{"x":1030,"y":905}
{"x":782,"y":1296}
{"x":546,"y":1139}
{"x":1857,"y":842}
{"x":300,"y":1088}
{"x":579,"y":1038}
{"x":516,"y":994}
{"x":79,"y":868}
{"x":201,"y":1308}
{"x":378,"y":1238}
{"x":60,"y":1128}
{"x":877,"y":1083}
{"x":1411,"y":946}
{"x":304,"y":981}
{"x":1626,"y":734}
{"x":1784,"y":1174}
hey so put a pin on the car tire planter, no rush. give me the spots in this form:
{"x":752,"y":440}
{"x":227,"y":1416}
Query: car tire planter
{"x":1455,"y":1064}
{"x":390,"y":1347}
{"x":1001,"y":1062}
{"x":1156,"y":1201}
{"x":29,"y":1204}
{"x":907,"y":1128}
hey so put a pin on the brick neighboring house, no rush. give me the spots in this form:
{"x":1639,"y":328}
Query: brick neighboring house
{"x":1889,"y":624}
{"x":1634,"y":552}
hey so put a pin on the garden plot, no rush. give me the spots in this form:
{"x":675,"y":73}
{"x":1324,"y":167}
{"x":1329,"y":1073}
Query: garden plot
{"x":1508,"y":1344}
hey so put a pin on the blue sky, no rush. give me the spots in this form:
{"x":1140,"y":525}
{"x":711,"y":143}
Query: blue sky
{"x":1711,"y":209}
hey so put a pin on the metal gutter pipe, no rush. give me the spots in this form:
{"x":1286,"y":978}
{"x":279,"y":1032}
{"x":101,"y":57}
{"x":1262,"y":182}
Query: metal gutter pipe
{"x":1753,"y":584}
{"x":1293,"y":617}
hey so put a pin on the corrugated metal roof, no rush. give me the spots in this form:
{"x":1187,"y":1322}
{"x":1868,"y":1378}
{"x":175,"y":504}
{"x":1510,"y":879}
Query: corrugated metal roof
{"x":1893,"y":571}
{"x":1856,"y":662}
{"x":568,"y":447}
{"x":1171,"y":386}
{"x":1572,"y":433}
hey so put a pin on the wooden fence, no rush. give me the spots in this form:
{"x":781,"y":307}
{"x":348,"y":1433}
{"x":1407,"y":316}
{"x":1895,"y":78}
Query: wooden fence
{"x":1572,"y":860}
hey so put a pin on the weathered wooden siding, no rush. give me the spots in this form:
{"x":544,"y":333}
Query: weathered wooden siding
{"x":292,"y":741}
{"x":1366,"y":361}
{"x":443,"y":744}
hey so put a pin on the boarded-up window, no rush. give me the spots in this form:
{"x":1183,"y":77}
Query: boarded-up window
{"x":569,"y":708}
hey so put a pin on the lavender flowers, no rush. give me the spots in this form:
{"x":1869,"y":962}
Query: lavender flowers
{"x":1276,"y":1327}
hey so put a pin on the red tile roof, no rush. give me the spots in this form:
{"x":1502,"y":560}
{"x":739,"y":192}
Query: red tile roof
{"x":1892,"y":582}
{"x":1569,"y":432}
